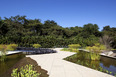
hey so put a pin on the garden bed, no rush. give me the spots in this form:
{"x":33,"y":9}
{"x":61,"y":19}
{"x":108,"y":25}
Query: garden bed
{"x":23,"y":62}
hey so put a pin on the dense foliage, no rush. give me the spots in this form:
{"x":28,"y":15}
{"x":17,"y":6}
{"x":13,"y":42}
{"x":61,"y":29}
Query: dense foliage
{"x":26,"y":71}
{"x":26,"y":32}
{"x":97,"y":48}
{"x":75,"y":46}
{"x":94,"y":51}
{"x":11,"y":47}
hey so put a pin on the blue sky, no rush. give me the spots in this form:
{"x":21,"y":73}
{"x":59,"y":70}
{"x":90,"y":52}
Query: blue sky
{"x":67,"y":13}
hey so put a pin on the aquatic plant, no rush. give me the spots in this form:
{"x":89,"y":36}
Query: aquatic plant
{"x":94,"y":51}
{"x":3,"y":49}
{"x":26,"y":71}
{"x":100,"y":69}
{"x":94,"y":56}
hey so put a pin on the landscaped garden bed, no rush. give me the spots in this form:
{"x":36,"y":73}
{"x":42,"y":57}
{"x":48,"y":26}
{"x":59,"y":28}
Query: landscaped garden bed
{"x":24,"y":62}
{"x":13,"y":63}
{"x":90,"y":57}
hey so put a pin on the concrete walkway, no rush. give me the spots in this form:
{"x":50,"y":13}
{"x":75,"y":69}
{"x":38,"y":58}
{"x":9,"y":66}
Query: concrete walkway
{"x":57,"y":67}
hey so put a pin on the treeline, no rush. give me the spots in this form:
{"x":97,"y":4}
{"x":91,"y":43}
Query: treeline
{"x":26,"y":32}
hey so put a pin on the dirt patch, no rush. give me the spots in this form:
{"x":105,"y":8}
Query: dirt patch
{"x":25,"y":61}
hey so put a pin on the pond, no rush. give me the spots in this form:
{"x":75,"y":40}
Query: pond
{"x":105,"y":64}
{"x":10,"y":61}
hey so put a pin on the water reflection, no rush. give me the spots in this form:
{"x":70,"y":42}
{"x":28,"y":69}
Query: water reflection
{"x":104,"y":63}
{"x":11,"y":60}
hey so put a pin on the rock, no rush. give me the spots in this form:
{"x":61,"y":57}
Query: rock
{"x":103,"y":54}
{"x":109,"y":53}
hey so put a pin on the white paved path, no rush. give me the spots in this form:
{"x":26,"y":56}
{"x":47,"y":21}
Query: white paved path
{"x":57,"y":67}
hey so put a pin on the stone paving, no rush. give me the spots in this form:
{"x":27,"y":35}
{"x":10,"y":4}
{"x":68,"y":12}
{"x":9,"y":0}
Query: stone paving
{"x":57,"y":67}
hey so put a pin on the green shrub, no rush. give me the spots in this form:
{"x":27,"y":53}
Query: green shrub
{"x":36,"y":45}
{"x":70,"y":49}
{"x":65,"y":49}
{"x":97,"y":48}
{"x":94,"y":49}
{"x":74,"y":50}
{"x":74,"y":46}
{"x":97,"y":44}
{"x":3,"y":47}
{"x":102,"y":47}
{"x":26,"y":71}
{"x":88,"y":48}
{"x":11,"y":47}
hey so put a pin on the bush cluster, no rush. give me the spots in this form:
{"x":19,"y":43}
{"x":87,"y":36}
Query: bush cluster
{"x":97,"y":48}
{"x":26,"y":71}
{"x":9,"y":47}
{"x":36,"y":45}
{"x":12,"y":47}
{"x":74,"y":46}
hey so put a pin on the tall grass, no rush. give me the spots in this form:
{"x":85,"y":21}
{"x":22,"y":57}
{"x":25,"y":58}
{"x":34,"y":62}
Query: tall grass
{"x":94,"y":56}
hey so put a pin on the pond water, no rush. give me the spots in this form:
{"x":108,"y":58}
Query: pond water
{"x":105,"y":64}
{"x":10,"y":61}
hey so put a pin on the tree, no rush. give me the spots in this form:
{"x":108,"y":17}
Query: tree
{"x":91,"y":29}
{"x":3,"y":27}
{"x":106,"y":28}
{"x":26,"y":32}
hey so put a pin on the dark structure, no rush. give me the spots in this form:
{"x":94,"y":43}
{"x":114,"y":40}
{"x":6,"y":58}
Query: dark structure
{"x":28,"y":51}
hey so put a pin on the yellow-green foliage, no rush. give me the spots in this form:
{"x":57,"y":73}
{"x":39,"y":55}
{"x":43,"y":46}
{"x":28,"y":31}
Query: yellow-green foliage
{"x":88,"y":48}
{"x":65,"y":49}
{"x":102,"y":47}
{"x":113,"y":49}
{"x":74,"y":46}
{"x":3,"y":52}
{"x":36,"y":45}
{"x":97,"y":48}
{"x":11,"y":47}
{"x":3,"y":48}
{"x":97,"y":44}
{"x":75,"y":50}
{"x":94,"y":56}
{"x":69,"y":49}
{"x":26,"y":71}
{"x":94,"y":50}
